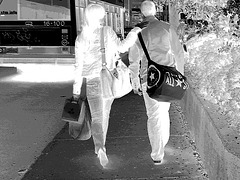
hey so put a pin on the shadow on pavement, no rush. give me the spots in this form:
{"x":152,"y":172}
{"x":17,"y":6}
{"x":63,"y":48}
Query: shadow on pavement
{"x":7,"y":71}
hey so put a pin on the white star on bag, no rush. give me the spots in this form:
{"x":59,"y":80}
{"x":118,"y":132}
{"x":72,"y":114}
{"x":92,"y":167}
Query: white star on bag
{"x":152,"y":76}
{"x":179,"y":83}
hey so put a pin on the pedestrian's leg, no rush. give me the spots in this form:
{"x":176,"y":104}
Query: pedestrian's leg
{"x":97,"y":127}
{"x":106,"y":111}
{"x":95,"y":105}
{"x":96,"y":108}
{"x":100,"y":109}
{"x":158,"y":126}
{"x":107,"y":104}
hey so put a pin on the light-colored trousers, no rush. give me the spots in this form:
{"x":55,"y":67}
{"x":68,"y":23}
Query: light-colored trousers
{"x":158,"y":124}
{"x":100,"y":109}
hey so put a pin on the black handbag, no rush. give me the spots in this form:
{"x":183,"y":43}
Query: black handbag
{"x":164,"y":83}
{"x":72,"y":108}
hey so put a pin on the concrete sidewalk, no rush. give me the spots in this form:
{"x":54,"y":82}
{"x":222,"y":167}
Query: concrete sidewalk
{"x":128,"y":150}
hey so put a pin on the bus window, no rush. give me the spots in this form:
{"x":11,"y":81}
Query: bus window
{"x":44,"y":10}
{"x":38,"y":26}
{"x":8,"y":10}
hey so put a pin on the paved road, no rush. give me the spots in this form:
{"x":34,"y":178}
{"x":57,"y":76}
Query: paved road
{"x":31,"y":101}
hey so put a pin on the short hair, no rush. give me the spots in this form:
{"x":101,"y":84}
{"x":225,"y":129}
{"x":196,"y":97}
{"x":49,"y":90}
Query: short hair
{"x":94,"y":13}
{"x":148,"y":8}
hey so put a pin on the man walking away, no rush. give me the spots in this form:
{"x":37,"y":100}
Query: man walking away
{"x":157,"y":37}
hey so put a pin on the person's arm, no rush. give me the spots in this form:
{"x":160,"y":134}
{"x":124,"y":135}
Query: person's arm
{"x":134,"y":66}
{"x":125,"y":44}
{"x":79,"y":56}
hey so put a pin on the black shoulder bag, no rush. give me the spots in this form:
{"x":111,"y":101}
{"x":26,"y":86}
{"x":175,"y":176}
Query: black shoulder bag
{"x":164,"y":83}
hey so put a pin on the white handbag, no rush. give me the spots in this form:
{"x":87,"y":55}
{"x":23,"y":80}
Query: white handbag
{"x":121,"y":84}
{"x":118,"y":78}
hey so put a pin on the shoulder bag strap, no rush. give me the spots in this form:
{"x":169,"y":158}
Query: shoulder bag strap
{"x":104,"y":63}
{"x":143,"y":45}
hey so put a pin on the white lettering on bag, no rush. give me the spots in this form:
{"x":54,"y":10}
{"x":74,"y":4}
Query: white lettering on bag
{"x":185,"y":84}
{"x":176,"y":80}
{"x":170,"y":80}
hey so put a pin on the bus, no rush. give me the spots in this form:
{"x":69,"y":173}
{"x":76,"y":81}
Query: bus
{"x":47,"y":28}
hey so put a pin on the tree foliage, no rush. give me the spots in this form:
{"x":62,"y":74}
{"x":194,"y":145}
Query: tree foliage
{"x":206,"y":16}
{"x":232,"y":7}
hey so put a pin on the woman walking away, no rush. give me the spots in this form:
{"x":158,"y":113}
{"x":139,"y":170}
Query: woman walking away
{"x":89,"y":65}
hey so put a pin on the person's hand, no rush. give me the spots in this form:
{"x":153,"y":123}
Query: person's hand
{"x":136,"y":30}
{"x":75,"y":97}
{"x":137,"y":89}
{"x":142,"y":24}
